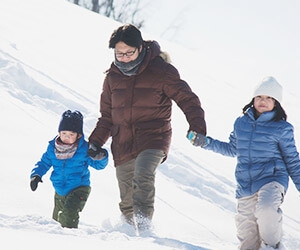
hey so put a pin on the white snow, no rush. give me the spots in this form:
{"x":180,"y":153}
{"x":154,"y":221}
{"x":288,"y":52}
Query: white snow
{"x":52,"y":58}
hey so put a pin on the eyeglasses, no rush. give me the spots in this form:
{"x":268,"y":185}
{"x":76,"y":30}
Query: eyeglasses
{"x":129,"y":53}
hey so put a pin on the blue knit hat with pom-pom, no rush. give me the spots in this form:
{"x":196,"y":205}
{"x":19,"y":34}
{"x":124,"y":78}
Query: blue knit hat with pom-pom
{"x":71,"y":121}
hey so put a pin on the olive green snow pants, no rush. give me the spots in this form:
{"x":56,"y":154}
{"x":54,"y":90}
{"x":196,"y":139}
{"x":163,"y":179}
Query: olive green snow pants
{"x":67,"y":208}
{"x":136,"y":183}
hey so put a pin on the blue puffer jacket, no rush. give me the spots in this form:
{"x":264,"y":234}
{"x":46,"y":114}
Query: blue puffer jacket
{"x":69,"y":173}
{"x":265,"y":152}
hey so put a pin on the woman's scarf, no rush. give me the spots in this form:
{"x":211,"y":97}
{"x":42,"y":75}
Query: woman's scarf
{"x":65,"y":151}
{"x":131,"y":68}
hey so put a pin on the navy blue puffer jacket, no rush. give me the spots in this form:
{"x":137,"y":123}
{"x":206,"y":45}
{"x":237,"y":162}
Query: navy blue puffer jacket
{"x":70,"y":173}
{"x":265,"y":151}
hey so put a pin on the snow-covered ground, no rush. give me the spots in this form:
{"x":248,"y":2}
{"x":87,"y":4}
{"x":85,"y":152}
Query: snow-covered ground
{"x":52,"y":58}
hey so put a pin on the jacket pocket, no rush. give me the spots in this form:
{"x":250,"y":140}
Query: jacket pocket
{"x":242,"y":175}
{"x":263,"y":170}
{"x":114,"y":130}
{"x":153,"y":127}
{"x":115,"y":138}
{"x":280,"y":168}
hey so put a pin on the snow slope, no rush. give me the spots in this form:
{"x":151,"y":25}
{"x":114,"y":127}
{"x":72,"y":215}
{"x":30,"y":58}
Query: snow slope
{"x":52,"y":58}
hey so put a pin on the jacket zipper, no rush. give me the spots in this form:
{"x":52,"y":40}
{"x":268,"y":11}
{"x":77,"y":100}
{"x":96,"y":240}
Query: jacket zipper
{"x":130,"y":118}
{"x":131,"y":101}
{"x":249,"y":155}
{"x":63,"y":170}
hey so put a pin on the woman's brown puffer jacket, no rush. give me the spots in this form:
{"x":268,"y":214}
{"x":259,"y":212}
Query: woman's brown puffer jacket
{"x":136,"y":110}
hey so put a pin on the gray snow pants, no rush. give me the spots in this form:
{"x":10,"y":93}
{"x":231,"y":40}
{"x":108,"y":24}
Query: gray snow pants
{"x":259,"y":217}
{"x":136,"y":183}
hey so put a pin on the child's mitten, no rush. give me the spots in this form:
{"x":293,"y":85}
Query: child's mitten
{"x":34,"y":182}
{"x":96,"y":153}
{"x":197,"y":139}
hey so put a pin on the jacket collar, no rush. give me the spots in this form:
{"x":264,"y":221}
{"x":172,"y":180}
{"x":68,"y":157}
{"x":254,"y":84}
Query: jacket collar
{"x":152,"y":51}
{"x":264,"y":117}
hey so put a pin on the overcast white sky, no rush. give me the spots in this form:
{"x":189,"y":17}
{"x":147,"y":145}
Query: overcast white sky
{"x":239,"y":41}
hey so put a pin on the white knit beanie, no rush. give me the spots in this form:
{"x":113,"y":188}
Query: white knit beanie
{"x":269,"y":87}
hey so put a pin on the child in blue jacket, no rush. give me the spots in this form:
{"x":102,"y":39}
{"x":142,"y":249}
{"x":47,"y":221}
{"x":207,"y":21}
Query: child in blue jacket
{"x":264,"y":144}
{"x":67,"y":154}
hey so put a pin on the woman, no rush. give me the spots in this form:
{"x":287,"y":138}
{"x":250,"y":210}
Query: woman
{"x":135,"y":110}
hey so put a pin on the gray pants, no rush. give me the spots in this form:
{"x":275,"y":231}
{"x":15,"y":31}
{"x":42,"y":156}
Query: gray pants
{"x":259,"y":217}
{"x":136,"y":183}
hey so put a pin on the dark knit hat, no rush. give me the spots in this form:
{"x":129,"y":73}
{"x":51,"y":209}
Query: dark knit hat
{"x":71,"y":121}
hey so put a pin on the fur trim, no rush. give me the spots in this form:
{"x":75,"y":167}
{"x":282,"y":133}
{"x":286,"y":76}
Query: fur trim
{"x":165,"y":55}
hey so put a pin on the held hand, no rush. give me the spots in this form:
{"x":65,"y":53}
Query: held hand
{"x":96,"y":153}
{"x":34,"y":182}
{"x":197,"y":139}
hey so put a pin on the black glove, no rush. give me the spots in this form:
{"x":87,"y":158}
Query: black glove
{"x":34,"y":182}
{"x":96,"y":153}
{"x":197,"y":139}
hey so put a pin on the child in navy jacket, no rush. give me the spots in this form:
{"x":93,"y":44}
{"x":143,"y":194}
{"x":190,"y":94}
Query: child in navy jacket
{"x":67,"y":154}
